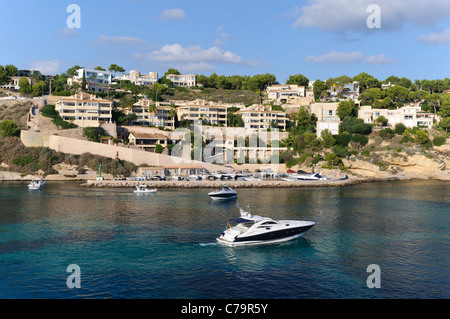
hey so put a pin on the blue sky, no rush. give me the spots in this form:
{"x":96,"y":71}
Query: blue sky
{"x":317,"y":38}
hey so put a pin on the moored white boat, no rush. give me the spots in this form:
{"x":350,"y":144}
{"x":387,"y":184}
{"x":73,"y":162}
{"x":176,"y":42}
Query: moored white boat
{"x":305,"y":177}
{"x":143,"y":189}
{"x":37,"y":184}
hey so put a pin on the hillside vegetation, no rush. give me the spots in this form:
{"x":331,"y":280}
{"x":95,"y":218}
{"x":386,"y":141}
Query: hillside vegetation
{"x":245,"y":97}
{"x":15,"y":157}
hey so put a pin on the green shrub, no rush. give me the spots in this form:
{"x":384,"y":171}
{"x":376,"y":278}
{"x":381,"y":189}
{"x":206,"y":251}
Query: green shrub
{"x":303,"y":158}
{"x":439,"y":140}
{"x":359,"y":138}
{"x":8,"y":128}
{"x":316,"y":159}
{"x":22,"y":160}
{"x":93,"y":134}
{"x":292,"y":162}
{"x":333,"y":161}
{"x":428,"y":144}
{"x":365,"y":153}
{"x":341,"y":151}
{"x":421,"y":137}
{"x":64,"y":125}
{"x":342,"y":139}
{"x":354,"y":125}
{"x":386,"y":133}
{"x":399,"y":128}
{"x":159,"y":148}
{"x":49,"y":111}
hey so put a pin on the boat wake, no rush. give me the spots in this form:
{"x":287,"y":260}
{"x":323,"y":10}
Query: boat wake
{"x":208,"y":244}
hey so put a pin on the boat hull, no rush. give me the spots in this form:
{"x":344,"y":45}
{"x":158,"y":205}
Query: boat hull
{"x":145,"y":192}
{"x":222,"y":196}
{"x":277,"y":236}
{"x":36,"y":186}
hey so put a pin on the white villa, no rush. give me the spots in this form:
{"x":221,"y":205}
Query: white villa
{"x":410,"y":116}
{"x":137,"y":78}
{"x":182,"y":80}
{"x":96,"y":81}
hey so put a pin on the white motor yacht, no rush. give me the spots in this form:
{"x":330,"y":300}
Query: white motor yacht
{"x":143,"y":189}
{"x":253,"y":230}
{"x":37,"y":184}
{"x":305,"y":177}
{"x":225,"y":192}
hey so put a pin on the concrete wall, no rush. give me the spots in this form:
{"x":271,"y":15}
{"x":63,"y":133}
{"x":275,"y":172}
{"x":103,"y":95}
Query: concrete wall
{"x":34,"y":139}
{"x":78,"y":147}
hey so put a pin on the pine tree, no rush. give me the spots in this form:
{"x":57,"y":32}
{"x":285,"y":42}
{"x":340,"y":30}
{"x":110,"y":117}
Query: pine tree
{"x":83,"y":82}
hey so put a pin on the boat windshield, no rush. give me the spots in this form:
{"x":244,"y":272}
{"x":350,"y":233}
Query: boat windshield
{"x":241,"y":222}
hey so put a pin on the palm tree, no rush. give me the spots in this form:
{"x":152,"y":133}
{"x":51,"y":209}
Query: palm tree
{"x":153,"y":109}
{"x":172,"y":114}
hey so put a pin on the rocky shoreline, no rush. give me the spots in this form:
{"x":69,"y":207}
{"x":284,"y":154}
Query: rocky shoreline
{"x":91,"y":182}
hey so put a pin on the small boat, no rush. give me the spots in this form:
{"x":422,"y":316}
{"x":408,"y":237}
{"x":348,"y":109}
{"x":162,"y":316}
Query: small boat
{"x":253,"y":230}
{"x":37,"y":184}
{"x":305,"y":177}
{"x":194,"y":177}
{"x":143,"y":189}
{"x":225,"y":192}
{"x":311,"y":177}
{"x":252,"y":179}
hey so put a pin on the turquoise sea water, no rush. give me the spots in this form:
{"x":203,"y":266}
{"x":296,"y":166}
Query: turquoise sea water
{"x":163,"y":245}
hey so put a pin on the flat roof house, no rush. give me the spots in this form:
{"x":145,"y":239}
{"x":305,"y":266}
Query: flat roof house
{"x":326,"y":117}
{"x":281,"y":93}
{"x":137,"y":78}
{"x":203,"y":110}
{"x":182,"y":80}
{"x":13,"y":83}
{"x":262,"y":117}
{"x":148,"y":141}
{"x":153,"y":113}
{"x":85,"y":110}
{"x":410,"y":116}
{"x":96,"y":80}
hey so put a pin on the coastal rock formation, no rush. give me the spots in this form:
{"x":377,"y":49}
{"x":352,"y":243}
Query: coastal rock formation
{"x":421,"y":165}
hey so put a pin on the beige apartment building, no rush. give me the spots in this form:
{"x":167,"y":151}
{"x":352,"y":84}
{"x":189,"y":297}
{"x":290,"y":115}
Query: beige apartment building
{"x":85,"y":110}
{"x":203,"y":110}
{"x":153,"y":113}
{"x":182,"y":80}
{"x":410,"y":116}
{"x":326,"y":117}
{"x":148,"y":141}
{"x":262,"y":117}
{"x":143,"y":79}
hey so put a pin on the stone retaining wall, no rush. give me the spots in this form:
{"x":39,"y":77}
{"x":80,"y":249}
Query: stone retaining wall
{"x":233,"y":184}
